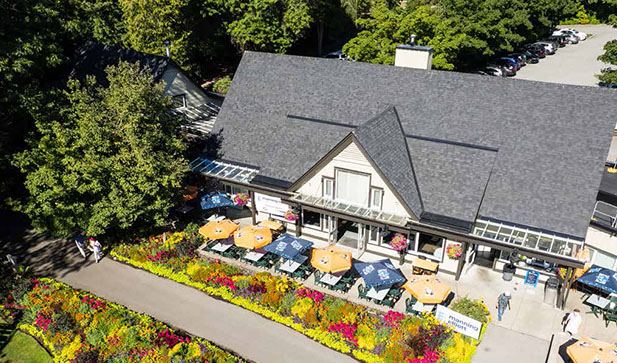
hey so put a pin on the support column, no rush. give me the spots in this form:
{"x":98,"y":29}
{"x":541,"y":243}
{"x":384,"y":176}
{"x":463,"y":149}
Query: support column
{"x":461,"y":262}
{"x":253,"y":208}
{"x":299,"y":221}
{"x":568,"y":286}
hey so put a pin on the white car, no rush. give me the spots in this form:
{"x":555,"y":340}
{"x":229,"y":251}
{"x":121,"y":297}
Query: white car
{"x":580,"y":35}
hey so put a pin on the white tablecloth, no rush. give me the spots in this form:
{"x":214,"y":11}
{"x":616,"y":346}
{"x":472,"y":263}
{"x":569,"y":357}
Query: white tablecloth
{"x":254,"y":256}
{"x":378,"y":293}
{"x":331,"y":279}
{"x":292,"y":265}
{"x":598,"y":301}
{"x":420,"y":307}
{"x":221,"y":247}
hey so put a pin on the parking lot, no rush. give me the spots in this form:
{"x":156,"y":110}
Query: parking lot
{"x":574,"y":64}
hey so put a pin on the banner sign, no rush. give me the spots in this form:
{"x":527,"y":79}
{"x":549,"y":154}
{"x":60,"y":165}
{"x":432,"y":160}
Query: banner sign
{"x":531,"y":278}
{"x":267,"y":204}
{"x":461,"y":323}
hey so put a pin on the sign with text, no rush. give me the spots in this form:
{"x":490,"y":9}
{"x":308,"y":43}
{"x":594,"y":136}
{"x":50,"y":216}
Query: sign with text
{"x":461,"y":323}
{"x":531,"y":278}
{"x":267,"y":204}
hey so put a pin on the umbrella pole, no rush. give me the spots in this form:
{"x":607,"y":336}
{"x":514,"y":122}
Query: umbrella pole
{"x":570,"y":275}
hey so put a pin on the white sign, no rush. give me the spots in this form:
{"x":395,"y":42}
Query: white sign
{"x":267,"y":204}
{"x":461,"y":323}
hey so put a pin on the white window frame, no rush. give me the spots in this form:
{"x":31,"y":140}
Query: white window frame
{"x":183,"y":95}
{"x":372,"y":200}
{"x":325,"y":181}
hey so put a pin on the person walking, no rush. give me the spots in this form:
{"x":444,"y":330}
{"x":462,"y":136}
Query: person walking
{"x":79,"y":241}
{"x":503,"y":301}
{"x":96,"y":248}
{"x":573,"y":322}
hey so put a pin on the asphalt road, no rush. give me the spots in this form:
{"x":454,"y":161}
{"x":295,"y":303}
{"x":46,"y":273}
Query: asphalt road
{"x":573,"y":64}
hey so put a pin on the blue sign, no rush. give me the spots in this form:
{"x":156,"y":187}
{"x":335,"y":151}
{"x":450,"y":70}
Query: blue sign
{"x":531,"y":278}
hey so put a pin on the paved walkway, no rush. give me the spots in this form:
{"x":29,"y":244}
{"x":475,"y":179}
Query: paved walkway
{"x":246,"y":333}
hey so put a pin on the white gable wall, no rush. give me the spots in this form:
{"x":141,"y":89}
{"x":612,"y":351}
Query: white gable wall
{"x":176,"y":83}
{"x":351,"y":158}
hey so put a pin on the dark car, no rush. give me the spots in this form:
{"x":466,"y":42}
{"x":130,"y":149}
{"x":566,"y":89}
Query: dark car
{"x":559,"y":39}
{"x":536,"y":49}
{"x":536,"y":262}
{"x":531,"y":58}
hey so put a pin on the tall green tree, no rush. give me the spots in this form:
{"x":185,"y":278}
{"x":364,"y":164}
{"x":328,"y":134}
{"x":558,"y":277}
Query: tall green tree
{"x":106,"y":159}
{"x":609,"y":56}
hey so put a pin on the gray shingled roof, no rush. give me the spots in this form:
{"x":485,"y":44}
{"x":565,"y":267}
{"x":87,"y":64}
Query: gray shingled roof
{"x":545,"y":173}
{"x":383,"y":140}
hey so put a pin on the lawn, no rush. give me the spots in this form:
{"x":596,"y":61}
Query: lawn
{"x":20,"y":347}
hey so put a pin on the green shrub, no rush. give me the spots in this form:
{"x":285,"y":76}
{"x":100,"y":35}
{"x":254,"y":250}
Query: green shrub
{"x":474,"y":309}
{"x":222,"y":85}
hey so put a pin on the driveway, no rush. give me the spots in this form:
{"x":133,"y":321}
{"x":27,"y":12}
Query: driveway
{"x":574,"y":64}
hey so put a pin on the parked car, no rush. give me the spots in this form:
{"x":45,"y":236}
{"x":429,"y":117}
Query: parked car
{"x":514,"y":61}
{"x":336,"y":55}
{"x":559,"y":39}
{"x":580,"y":35}
{"x":531,"y":58}
{"x":549,"y":46}
{"x":536,"y":50}
{"x":508,"y":67}
{"x":522,"y":58}
{"x":495,"y":70}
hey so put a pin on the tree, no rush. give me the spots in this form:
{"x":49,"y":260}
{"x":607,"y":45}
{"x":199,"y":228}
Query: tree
{"x":609,"y":56}
{"x":107,"y":159}
{"x":151,"y":22}
{"x":264,"y":25}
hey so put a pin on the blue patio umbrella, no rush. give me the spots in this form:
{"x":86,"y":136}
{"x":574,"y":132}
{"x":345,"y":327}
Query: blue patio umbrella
{"x":215,"y":200}
{"x":379,"y":273}
{"x":601,"y":278}
{"x":288,"y":246}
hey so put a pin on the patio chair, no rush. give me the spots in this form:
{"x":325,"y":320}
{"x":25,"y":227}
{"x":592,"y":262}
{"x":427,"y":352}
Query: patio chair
{"x":610,"y":317}
{"x":409,"y":303}
{"x":362,"y":293}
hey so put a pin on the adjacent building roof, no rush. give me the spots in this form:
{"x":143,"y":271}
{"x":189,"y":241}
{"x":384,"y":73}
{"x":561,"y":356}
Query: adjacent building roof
{"x":503,"y":149}
{"x":92,"y":58}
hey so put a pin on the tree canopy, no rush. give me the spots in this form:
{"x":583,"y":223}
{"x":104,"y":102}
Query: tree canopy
{"x":609,"y":56}
{"x":106,"y":159}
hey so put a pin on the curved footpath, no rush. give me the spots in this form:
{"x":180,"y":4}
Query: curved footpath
{"x":250,"y":335}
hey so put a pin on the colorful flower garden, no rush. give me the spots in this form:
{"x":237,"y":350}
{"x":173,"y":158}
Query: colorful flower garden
{"x":77,"y":327}
{"x":353,"y":329}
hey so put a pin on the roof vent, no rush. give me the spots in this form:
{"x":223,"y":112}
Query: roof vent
{"x":166,"y":42}
{"x":413,"y":56}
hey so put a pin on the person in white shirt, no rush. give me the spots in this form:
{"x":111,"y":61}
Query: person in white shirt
{"x":96,"y":248}
{"x":573,"y":322}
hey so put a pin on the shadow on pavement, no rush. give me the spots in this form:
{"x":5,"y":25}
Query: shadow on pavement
{"x":45,"y":255}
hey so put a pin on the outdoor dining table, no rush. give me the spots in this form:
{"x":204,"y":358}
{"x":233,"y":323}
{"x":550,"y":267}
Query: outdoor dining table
{"x":292,"y":265}
{"x":588,"y":350}
{"x":378,"y":292}
{"x":221,"y":247}
{"x":421,"y":307}
{"x":598,"y":301}
{"x":254,"y":256}
{"x":425,"y":265}
{"x":215,"y":217}
{"x":331,"y":279}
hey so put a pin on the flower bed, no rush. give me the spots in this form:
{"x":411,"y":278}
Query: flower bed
{"x":349,"y":328}
{"x":75,"y":326}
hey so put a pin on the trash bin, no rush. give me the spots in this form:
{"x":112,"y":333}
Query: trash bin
{"x":551,"y":290}
{"x":508,"y":271}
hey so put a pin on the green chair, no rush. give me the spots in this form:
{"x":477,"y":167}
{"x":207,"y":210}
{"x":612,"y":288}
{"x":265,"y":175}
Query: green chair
{"x":409,"y":303}
{"x":362,"y":293}
{"x":610,"y":317}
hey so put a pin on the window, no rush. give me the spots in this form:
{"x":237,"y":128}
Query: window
{"x":179,"y":101}
{"x":604,"y":260}
{"x":328,"y":188}
{"x":311,"y":219}
{"x":376,"y":198}
{"x":352,"y":187}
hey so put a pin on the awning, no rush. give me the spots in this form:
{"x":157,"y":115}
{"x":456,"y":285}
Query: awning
{"x":215,"y":200}
{"x":379,"y":273}
{"x":288,"y":246}
{"x":601,"y":278}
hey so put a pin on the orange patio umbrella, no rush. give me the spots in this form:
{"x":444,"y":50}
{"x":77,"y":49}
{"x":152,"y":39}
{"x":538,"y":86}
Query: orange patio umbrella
{"x":273,"y":225}
{"x":331,"y":259}
{"x":428,"y":289}
{"x":587,"y":350}
{"x":218,"y":229}
{"x":253,"y":237}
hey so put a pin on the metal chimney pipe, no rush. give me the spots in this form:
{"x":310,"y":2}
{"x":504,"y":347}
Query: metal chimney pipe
{"x":166,"y":42}
{"x":412,"y":39}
